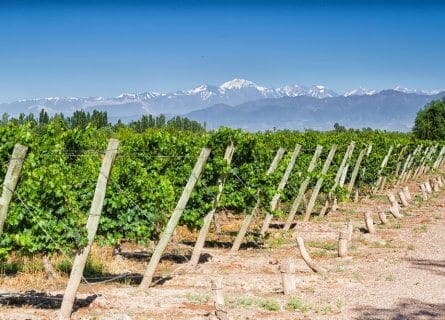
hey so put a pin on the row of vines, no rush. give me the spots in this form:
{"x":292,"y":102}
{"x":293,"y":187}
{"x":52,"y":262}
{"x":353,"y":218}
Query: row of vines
{"x":53,"y":197}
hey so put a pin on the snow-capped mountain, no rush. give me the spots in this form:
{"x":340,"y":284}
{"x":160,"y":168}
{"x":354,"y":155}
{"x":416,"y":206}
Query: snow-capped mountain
{"x":129,"y":106}
{"x":360,"y":92}
{"x":418,"y":91}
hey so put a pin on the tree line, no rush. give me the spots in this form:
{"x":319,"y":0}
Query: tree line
{"x":99,"y":119}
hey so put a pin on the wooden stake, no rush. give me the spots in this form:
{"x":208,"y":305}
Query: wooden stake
{"x":288,"y":270}
{"x":248,"y":219}
{"x":174,"y":219}
{"x":344,"y":161}
{"x":218,"y":299}
{"x":356,"y":196}
{"x":435,"y":185}
{"x":428,"y":187}
{"x":343,"y":175}
{"x":369,"y":223}
{"x":283,"y":182}
{"x":382,"y":216}
{"x":350,"y":230}
{"x":301,"y":191}
{"x":319,"y":183}
{"x":403,"y":199}
{"x":324,"y":209}
{"x":200,"y":241}
{"x":307,"y":258}
{"x":10,"y":182}
{"x":92,"y":225}
{"x":334,"y":207}
{"x":356,"y":169}
{"x":383,"y":184}
{"x":395,"y":212}
{"x":424,"y":192}
{"x":407,"y":193}
{"x":343,"y":244}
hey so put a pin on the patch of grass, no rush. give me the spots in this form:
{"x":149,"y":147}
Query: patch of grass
{"x":276,"y":240}
{"x":295,"y":304}
{"x":269,"y":304}
{"x":10,"y":267}
{"x":92,"y":267}
{"x":197,"y":298}
{"x":242,"y":301}
{"x":421,"y":229}
{"x":390,"y":277}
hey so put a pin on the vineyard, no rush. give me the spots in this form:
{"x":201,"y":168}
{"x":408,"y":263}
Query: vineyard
{"x":140,"y":188}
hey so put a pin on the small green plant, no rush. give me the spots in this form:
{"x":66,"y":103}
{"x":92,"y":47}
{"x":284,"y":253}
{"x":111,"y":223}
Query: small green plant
{"x":92,"y":267}
{"x":295,"y":304}
{"x":242,"y":301}
{"x":269,"y":304}
{"x":390,"y":277}
{"x":198,"y":298}
{"x":421,"y":229}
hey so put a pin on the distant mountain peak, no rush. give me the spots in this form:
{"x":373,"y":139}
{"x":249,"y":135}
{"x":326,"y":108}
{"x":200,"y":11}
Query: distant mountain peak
{"x":239,"y":84}
{"x":360,"y":92}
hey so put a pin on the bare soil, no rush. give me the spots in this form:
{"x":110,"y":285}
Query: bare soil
{"x":397,"y":273}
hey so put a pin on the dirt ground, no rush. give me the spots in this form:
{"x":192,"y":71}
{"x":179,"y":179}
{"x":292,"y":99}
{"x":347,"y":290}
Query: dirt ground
{"x":397,"y":273}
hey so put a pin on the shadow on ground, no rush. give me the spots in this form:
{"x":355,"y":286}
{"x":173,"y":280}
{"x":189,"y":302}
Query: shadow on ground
{"x":406,"y":309}
{"x":41,"y":300}
{"x":435,"y":266}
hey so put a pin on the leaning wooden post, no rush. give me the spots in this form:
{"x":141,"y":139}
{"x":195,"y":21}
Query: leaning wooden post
{"x":350,"y":230}
{"x":307,"y":258}
{"x":343,"y":163}
{"x":11,"y":179}
{"x":395,"y":207}
{"x":428,"y":187}
{"x":200,"y":241}
{"x":319,"y":183}
{"x":382,"y":167}
{"x":288,"y":270}
{"x":382,"y":217}
{"x":248,"y":219}
{"x":424,"y":192}
{"x":403,"y":199}
{"x":218,"y":299}
{"x":283,"y":182}
{"x":174,"y":219}
{"x":301,"y":191}
{"x":355,"y":171}
{"x":369,"y":223}
{"x":92,"y":225}
{"x":407,"y":193}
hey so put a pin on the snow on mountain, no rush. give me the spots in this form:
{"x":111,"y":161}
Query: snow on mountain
{"x":417,"y":91}
{"x":132,"y":105}
{"x":360,"y":92}
{"x":321,"y":92}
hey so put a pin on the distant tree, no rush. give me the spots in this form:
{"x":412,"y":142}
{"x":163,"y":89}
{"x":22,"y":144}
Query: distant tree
{"x":43,"y":117}
{"x":338,"y":127}
{"x":430,"y":121}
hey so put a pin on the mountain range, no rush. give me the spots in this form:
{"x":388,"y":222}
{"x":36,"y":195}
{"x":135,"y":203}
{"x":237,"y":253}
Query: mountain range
{"x":243,"y":103}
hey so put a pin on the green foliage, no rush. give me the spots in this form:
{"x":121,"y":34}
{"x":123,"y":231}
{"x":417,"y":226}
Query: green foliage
{"x":430,"y":121}
{"x":50,"y":208}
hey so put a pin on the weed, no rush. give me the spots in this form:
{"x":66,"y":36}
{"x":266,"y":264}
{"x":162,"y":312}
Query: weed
{"x":295,"y":304}
{"x":421,"y":229}
{"x":269,"y":304}
{"x":198,"y":298}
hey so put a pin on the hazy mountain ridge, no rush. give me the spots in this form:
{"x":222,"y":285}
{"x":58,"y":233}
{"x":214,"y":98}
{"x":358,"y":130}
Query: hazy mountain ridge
{"x":388,"y":110}
{"x":243,"y":103}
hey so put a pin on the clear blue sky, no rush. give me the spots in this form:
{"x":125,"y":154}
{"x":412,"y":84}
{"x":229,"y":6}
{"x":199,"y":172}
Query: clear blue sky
{"x":79,"y":49}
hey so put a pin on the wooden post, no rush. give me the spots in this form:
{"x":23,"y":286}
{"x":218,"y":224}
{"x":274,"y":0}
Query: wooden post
{"x":10,"y":181}
{"x":218,"y":299}
{"x":439,"y":158}
{"x":287,"y":270}
{"x":283,"y":182}
{"x":319,"y":183}
{"x":435,"y":185}
{"x":428,"y":187}
{"x":343,"y":175}
{"x":382,"y":217}
{"x":369,"y":223}
{"x":403,"y":199}
{"x":324,"y":209}
{"x":343,"y":244}
{"x":301,"y":191}
{"x":344,"y":161}
{"x":334,"y":207}
{"x":407,"y":193}
{"x":92,"y":225}
{"x":383,"y":184}
{"x":174,"y":219}
{"x":200,"y":241}
{"x":307,"y":258}
{"x":382,"y":166}
{"x":424,"y":192}
{"x":350,"y":230}
{"x":248,"y":219}
{"x":355,"y":171}
{"x":356,"y":196}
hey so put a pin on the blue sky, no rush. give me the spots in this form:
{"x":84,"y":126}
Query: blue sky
{"x":79,"y":49}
